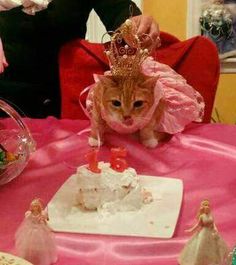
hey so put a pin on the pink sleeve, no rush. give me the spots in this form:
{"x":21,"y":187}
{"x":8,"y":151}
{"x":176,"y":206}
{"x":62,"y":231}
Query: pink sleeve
{"x":27,"y":214}
{"x":9,"y":4}
{"x":183,"y":104}
{"x":3,"y":61}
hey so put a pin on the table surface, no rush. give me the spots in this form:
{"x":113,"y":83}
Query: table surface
{"x":203,"y":156}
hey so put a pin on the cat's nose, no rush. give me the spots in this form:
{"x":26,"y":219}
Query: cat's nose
{"x":128,"y":120}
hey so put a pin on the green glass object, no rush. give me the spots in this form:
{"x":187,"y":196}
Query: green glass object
{"x":2,"y":155}
{"x":234,"y":256}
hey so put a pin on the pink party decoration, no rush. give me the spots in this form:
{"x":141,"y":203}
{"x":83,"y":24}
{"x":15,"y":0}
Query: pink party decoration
{"x":117,"y":161}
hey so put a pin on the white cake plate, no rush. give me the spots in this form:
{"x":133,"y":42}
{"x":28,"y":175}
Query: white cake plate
{"x":157,"y":219}
{"x":8,"y":259}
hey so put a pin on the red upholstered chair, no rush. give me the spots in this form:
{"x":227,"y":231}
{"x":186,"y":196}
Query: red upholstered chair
{"x":196,"y":59}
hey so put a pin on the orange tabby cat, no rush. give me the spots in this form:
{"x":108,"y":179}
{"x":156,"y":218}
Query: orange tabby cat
{"x":126,"y":106}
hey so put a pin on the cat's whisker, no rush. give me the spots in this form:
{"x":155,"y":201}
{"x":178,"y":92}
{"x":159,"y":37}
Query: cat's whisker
{"x":142,"y":119}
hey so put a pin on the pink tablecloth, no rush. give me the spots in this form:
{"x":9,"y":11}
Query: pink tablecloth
{"x":204,"y":157}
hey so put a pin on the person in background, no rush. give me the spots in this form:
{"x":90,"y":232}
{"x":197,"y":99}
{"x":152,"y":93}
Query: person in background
{"x":31,"y":37}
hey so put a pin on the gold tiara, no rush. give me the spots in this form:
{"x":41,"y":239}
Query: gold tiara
{"x":205,"y":203}
{"x":37,"y":201}
{"x":125,"y":52}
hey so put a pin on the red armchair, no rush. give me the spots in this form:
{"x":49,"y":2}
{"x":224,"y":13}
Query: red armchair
{"x":196,"y":59}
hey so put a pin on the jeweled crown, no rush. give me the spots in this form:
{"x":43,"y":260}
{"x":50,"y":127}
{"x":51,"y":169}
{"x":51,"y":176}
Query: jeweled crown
{"x":37,"y":201}
{"x":125,"y":52}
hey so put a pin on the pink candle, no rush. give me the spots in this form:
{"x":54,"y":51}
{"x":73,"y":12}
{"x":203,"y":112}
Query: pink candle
{"x":117,"y":161}
{"x":92,"y":161}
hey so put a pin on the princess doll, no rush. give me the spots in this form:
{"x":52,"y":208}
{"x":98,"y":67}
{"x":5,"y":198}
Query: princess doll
{"x":34,"y":239}
{"x":206,"y":247}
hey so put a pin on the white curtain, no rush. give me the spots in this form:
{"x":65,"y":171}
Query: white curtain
{"x":95,"y":28}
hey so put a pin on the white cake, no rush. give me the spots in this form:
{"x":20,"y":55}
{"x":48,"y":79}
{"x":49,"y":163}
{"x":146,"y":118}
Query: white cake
{"x":110,"y":190}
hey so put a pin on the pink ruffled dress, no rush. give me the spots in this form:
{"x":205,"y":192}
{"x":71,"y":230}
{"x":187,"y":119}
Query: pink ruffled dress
{"x":182,"y":103}
{"x":34,"y":240}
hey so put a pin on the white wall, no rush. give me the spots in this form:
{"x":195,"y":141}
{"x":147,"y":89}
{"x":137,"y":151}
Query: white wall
{"x":194,"y":12}
{"x":95,"y":28}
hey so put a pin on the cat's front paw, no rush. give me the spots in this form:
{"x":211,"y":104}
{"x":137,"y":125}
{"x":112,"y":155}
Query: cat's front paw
{"x":150,"y":143}
{"x":94,"y":142}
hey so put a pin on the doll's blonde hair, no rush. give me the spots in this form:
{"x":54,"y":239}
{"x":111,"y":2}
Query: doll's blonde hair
{"x":37,"y":202}
{"x":202,"y":205}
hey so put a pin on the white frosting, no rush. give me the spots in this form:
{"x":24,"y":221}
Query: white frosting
{"x":109,"y":190}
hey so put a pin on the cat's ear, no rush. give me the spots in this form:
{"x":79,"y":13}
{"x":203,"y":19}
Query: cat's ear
{"x":106,"y":81}
{"x":150,"y":82}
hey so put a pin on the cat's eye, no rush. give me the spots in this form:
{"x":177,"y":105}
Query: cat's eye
{"x":138,"y":104}
{"x":116,"y":103}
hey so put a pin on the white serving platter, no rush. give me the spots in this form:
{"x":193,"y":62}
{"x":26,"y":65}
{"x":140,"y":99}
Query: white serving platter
{"x":6,"y":258}
{"x":157,"y":219}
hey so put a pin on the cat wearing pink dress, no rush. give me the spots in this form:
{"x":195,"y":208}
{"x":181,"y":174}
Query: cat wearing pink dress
{"x":156,"y":103}
{"x":139,"y":95}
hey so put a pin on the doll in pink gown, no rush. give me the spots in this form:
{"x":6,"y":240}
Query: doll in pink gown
{"x":34,"y":239}
{"x":206,"y":247}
